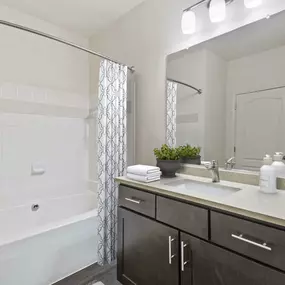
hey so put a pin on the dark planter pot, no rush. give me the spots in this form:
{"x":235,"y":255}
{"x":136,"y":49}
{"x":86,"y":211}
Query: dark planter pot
{"x":168,"y":167}
{"x":192,"y":160}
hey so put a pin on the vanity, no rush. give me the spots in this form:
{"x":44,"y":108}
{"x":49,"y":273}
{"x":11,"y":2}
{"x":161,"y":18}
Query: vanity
{"x":225,"y":97}
{"x":187,"y":230}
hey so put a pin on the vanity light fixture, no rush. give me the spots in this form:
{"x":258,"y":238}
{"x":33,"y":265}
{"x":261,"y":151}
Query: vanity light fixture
{"x":217,"y":11}
{"x":188,"y":23}
{"x":252,"y":3}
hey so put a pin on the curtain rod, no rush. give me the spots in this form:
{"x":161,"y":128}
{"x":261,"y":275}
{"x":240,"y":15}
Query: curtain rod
{"x":185,"y":84}
{"x":36,"y":32}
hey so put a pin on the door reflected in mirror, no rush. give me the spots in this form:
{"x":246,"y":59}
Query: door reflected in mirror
{"x":227,"y":95}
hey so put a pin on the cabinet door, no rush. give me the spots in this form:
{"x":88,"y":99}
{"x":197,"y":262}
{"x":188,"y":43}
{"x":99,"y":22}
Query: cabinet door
{"x":211,"y":265}
{"x":147,"y":251}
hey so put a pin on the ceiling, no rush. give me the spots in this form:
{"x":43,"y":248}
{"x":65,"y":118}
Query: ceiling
{"x":83,"y":16}
{"x":260,"y":36}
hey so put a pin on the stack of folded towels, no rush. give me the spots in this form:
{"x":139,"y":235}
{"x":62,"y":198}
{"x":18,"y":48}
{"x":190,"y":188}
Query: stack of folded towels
{"x":143,"y":173}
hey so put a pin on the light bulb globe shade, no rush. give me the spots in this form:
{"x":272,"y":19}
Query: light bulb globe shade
{"x":217,"y":11}
{"x":252,"y":3}
{"x":188,"y":22}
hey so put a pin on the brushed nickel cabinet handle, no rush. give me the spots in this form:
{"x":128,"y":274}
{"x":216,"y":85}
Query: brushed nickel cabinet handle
{"x":261,"y":245}
{"x":170,"y":255}
{"x":133,"y":200}
{"x":183,"y":262}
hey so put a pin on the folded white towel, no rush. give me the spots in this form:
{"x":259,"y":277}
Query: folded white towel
{"x":142,"y":169}
{"x":149,"y":176}
{"x":142,"y":178}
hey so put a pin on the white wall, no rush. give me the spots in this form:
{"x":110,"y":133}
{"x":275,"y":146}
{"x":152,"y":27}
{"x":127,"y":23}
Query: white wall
{"x":146,"y":36}
{"x":255,"y":72}
{"x":44,"y":97}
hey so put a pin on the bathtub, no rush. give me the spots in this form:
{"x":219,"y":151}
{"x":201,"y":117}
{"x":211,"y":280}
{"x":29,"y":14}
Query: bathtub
{"x":45,"y":241}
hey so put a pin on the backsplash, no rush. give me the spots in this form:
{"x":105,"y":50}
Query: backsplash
{"x":235,"y":175}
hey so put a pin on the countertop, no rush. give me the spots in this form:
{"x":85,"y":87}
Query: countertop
{"x":248,"y":202}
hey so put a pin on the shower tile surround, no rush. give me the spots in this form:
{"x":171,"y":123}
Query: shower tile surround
{"x":35,"y":94}
{"x":55,"y":144}
{"x":45,"y":128}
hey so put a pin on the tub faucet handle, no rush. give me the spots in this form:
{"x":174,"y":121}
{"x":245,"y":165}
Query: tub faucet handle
{"x":35,"y":207}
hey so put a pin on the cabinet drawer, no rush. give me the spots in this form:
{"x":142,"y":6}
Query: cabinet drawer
{"x":260,"y":242}
{"x":136,"y":200}
{"x":188,"y":218}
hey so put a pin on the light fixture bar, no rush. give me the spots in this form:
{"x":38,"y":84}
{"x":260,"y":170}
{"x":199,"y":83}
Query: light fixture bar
{"x":202,"y":2}
{"x":195,"y":5}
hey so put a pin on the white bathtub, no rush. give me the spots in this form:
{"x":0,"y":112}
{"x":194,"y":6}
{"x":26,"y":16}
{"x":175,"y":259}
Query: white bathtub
{"x":44,"y":246}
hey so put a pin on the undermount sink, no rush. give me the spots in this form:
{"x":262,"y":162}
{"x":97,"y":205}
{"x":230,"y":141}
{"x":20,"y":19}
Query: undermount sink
{"x":202,"y":188}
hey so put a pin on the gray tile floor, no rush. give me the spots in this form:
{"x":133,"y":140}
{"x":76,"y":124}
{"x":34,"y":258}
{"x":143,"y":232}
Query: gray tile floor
{"x":108,"y":278}
{"x":92,"y":274}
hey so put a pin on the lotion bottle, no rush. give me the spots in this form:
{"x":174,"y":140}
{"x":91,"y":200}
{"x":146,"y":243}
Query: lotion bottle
{"x":278,"y":164}
{"x":267,"y":180}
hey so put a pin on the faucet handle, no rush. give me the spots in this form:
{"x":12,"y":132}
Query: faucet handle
{"x":215,"y":163}
{"x":230,"y":163}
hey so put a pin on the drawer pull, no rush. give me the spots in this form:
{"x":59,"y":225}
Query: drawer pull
{"x":183,"y":263}
{"x":170,"y":255}
{"x":133,"y":200}
{"x":261,"y":245}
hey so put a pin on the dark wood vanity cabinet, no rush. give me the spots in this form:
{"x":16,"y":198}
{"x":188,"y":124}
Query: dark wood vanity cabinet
{"x":147,"y":251}
{"x":157,"y":247}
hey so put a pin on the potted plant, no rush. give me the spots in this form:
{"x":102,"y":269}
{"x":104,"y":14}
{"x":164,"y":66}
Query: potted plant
{"x":190,"y":155}
{"x":168,"y":160}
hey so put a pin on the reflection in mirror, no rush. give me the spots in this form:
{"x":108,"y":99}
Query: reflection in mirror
{"x":241,"y":110}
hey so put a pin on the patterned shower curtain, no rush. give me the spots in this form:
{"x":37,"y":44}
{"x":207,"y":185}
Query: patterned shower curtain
{"x":171,"y":97}
{"x":112,"y":140}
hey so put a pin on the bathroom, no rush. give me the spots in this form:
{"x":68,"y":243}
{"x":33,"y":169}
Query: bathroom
{"x":58,"y":195}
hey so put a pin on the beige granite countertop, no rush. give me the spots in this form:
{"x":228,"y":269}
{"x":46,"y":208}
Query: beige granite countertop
{"x":248,"y":201}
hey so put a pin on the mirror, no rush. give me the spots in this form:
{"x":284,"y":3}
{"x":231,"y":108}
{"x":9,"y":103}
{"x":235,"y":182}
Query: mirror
{"x":227,"y":95}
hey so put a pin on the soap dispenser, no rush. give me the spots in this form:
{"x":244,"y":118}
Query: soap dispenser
{"x":278,"y":164}
{"x":267,"y":180}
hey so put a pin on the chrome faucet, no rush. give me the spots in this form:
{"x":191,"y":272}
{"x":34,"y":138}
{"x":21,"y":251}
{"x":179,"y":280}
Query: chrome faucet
{"x":230,"y":163}
{"x":214,"y":168}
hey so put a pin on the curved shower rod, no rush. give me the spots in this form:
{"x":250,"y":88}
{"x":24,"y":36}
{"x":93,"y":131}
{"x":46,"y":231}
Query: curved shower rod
{"x":48,"y":36}
{"x":185,"y":84}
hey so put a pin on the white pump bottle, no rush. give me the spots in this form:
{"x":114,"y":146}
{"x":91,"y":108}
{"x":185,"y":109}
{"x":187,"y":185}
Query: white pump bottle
{"x":267,"y":180}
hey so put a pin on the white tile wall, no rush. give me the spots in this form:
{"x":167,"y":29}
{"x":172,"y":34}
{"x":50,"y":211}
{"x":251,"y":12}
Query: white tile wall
{"x":57,"y":144}
{"x":8,"y":91}
{"x":27,"y":93}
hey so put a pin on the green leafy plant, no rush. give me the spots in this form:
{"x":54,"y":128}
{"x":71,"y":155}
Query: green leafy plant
{"x":167,"y":153}
{"x":189,"y":151}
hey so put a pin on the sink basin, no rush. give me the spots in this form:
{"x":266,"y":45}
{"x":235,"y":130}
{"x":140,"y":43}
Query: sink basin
{"x":187,"y":186}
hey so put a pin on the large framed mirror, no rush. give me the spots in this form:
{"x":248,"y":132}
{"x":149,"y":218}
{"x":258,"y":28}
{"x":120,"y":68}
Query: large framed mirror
{"x":227,"y":95}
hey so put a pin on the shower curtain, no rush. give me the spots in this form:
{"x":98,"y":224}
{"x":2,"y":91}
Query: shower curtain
{"x":112,"y":141}
{"x":171,"y":97}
